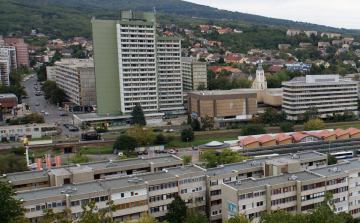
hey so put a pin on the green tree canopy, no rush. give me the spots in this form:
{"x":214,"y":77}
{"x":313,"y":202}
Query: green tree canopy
{"x":187,"y":135}
{"x":10,"y":208}
{"x":195,"y":124}
{"x":137,"y":116}
{"x":125,"y":142}
{"x":195,"y":217}
{"x":287,"y":127}
{"x":176,"y":211}
{"x":252,"y":129}
{"x":10,"y":163}
{"x":313,"y":124}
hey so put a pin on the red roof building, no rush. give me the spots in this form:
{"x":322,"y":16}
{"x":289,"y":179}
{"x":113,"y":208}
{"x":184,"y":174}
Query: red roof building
{"x":274,"y":69}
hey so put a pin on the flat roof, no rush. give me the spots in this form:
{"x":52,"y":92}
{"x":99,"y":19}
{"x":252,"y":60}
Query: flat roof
{"x":228,"y":168}
{"x":76,"y":63}
{"x":301,"y":155}
{"x":275,"y":180}
{"x":95,"y":117}
{"x":27,"y":175}
{"x":43,"y":125}
{"x":219,"y":92}
{"x":83,"y":188}
{"x":338,"y":168}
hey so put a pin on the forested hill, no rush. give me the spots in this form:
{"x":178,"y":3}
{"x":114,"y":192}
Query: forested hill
{"x":183,"y":8}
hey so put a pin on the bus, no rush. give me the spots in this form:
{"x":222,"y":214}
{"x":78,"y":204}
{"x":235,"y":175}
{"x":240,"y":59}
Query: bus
{"x":343,"y":155}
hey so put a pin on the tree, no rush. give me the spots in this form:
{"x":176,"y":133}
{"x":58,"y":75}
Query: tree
{"x":331,"y":159}
{"x":356,"y":77}
{"x":187,"y":159}
{"x":10,"y":163}
{"x":239,"y":218}
{"x":252,"y":129}
{"x":270,"y":116}
{"x":187,"y":135}
{"x":33,"y":61}
{"x":324,"y":213}
{"x":79,"y":158}
{"x":92,"y":214}
{"x":159,"y":139}
{"x":144,"y":218}
{"x":60,"y":217}
{"x":347,"y":217}
{"x":225,"y":157}
{"x":311,"y":113}
{"x":189,"y":119}
{"x":195,"y":124}
{"x":195,"y":217}
{"x":176,"y":211}
{"x":241,"y":83}
{"x":208,"y":122}
{"x":142,"y":134}
{"x":281,"y":216}
{"x":137,"y":116}
{"x":10,"y":208}
{"x":201,"y":86}
{"x":287,"y":127}
{"x":313,"y":124}
{"x":125,"y":142}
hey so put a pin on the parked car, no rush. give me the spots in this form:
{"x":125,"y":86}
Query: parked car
{"x":37,"y":104}
{"x":60,"y":108}
{"x":172,"y":152}
{"x":47,"y":113}
{"x":145,"y":152}
{"x":35,"y":83}
{"x":120,"y":154}
{"x":73,"y":129}
{"x":164,"y":151}
{"x":195,"y":148}
{"x":171,"y":130}
{"x":139,"y":153}
{"x":157,"y":151}
{"x":66,"y":125}
{"x":63,"y":114}
{"x":176,"y":150}
{"x":42,"y":111}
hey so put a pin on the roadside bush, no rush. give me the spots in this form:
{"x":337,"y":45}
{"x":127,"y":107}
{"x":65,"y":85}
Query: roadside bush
{"x":14,"y":122}
{"x":187,"y":135}
{"x":252,"y":129}
{"x":169,"y":138}
{"x":287,"y":127}
{"x":159,"y":139}
{"x":19,"y":151}
{"x":157,"y":130}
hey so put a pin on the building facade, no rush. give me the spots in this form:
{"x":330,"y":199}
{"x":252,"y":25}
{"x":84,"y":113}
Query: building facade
{"x":76,"y":77}
{"x":50,"y":73}
{"x":326,"y":92}
{"x":194,"y":73}
{"x":19,"y":132}
{"x":134,"y":66}
{"x":260,"y":80}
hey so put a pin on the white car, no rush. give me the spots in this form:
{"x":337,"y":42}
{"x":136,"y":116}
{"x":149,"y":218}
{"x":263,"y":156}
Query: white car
{"x":42,"y":111}
{"x":120,"y":154}
{"x":171,"y":130}
{"x":46,"y":113}
{"x":172,"y":152}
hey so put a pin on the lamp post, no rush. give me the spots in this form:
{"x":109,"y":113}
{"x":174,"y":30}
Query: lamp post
{"x":187,"y":143}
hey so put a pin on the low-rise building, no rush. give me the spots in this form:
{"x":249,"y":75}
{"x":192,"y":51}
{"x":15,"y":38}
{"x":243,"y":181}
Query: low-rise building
{"x":293,"y":32}
{"x":19,"y":132}
{"x":194,"y":73}
{"x":328,"y":93}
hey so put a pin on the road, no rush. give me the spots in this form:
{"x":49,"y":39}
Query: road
{"x":54,"y":112}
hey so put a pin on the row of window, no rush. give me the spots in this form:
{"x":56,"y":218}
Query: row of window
{"x":132,"y":204}
{"x":337,"y":181}
{"x":312,"y":186}
{"x":19,"y":130}
{"x":283,"y":200}
{"x":310,"y":206}
{"x":96,"y":199}
{"x":163,"y":186}
{"x":215,"y":192}
{"x":162,"y":197}
{"x":283,"y":190}
{"x":339,"y":199}
{"x":216,"y":202}
{"x":48,"y":205}
{"x":191,"y":180}
{"x":216,"y":212}
{"x":312,"y":196}
{"x":191,"y":190}
{"x":338,"y":190}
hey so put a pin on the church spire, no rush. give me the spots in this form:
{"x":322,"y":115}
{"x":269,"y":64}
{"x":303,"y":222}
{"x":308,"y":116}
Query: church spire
{"x":260,"y":65}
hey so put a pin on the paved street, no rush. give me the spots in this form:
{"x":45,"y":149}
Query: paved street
{"x":54,"y":113}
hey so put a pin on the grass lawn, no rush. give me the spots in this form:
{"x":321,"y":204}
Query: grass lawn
{"x":95,"y":150}
{"x":344,"y":127}
{"x":42,"y":138}
{"x":200,"y":141}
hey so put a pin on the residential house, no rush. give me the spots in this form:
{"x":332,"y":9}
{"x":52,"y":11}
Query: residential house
{"x":206,"y":56}
{"x":351,"y":62}
{"x":323,"y":44}
{"x":304,"y":45}
{"x":355,"y":43}
{"x":169,"y":26}
{"x":227,"y":30}
{"x":302,"y":67}
{"x":212,"y":43}
{"x":337,"y":42}
{"x":283,"y":46}
{"x":169,"y":33}
{"x":33,"y":49}
{"x":239,"y":75}
{"x":351,"y":77}
{"x":348,"y":40}
{"x":345,"y":46}
{"x":331,"y":35}
{"x":254,"y":51}
{"x":274,"y":69}
{"x":237,"y":30}
{"x":293,"y":32}
{"x":196,"y":54}
{"x":341,"y":50}
{"x":253,"y":61}
{"x":198,"y":49}
{"x":67,"y":53}
{"x":308,"y":33}
{"x":236,"y":59}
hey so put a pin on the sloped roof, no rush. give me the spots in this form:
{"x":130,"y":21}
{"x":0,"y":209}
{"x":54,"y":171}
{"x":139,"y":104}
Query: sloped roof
{"x":326,"y":133}
{"x":300,"y":135}
{"x":352,"y":131}
{"x":274,"y":68}
{"x":265,"y":138}
{"x":248,"y":140}
{"x":281,"y":137}
{"x":340,"y":132}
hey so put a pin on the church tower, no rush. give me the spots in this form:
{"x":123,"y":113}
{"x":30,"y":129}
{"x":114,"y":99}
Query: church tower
{"x":260,"y":80}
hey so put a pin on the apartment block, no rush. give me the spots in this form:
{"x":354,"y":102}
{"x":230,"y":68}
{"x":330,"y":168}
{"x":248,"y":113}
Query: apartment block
{"x":22,"y":50}
{"x":51,"y":73}
{"x":194,"y":73}
{"x":5,"y":66}
{"x":135,"y":66}
{"x":76,"y":77}
{"x":328,"y":93}
{"x":19,"y":132}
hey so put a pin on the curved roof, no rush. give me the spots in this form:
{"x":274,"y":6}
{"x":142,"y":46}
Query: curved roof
{"x":352,"y":131}
{"x":214,"y":143}
{"x":214,"y":146}
{"x":300,"y":135}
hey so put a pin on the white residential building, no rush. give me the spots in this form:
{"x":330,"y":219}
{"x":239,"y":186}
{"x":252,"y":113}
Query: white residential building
{"x":326,"y":92}
{"x":50,"y":73}
{"x":7,"y":61}
{"x":194,"y":73}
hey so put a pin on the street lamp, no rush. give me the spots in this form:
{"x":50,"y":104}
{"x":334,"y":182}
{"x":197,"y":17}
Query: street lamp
{"x":187,"y":143}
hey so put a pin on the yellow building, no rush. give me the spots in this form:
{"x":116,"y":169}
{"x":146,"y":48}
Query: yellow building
{"x":267,"y":140}
{"x":283,"y":139}
{"x":248,"y":142}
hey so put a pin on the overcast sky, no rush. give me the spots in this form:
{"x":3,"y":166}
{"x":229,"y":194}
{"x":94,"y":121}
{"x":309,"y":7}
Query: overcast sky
{"x":335,"y":13}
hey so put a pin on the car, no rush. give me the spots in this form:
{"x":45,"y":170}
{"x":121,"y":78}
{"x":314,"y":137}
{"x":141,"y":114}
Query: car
{"x":171,"y":151}
{"x":145,"y":152}
{"x":42,"y":111}
{"x":37,"y":94}
{"x":195,"y":148}
{"x":35,"y":83}
{"x":37,"y":104}
{"x":120,"y":154}
{"x":157,"y":151}
{"x":66,"y":125}
{"x":164,"y":151}
{"x":139,"y":152}
{"x":73,"y":129}
{"x":63,"y":114}
{"x":171,"y":130}
{"x":176,"y":150}
{"x":60,"y":108}
{"x":46,"y":113}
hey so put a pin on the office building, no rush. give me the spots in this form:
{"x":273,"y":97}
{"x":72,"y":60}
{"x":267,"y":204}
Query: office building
{"x":134,"y":66}
{"x":76,"y":77}
{"x":328,"y":93}
{"x":194,"y":73}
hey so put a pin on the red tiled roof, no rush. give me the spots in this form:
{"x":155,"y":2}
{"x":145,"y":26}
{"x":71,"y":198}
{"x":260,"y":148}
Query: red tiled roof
{"x":340,"y":132}
{"x":299,"y":135}
{"x":248,"y":140}
{"x":265,"y":138}
{"x":274,"y":68}
{"x":233,"y":58}
{"x":326,"y":133}
{"x":281,"y":137}
{"x":352,"y":131}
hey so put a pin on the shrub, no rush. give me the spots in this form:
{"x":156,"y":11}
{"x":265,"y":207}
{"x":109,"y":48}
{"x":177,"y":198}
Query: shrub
{"x":252,"y":129}
{"x":159,"y":139}
{"x":19,"y":151}
{"x":187,"y":135}
{"x":169,"y":138}
{"x":157,"y":130}
{"x":287,"y":127}
{"x":102,"y":129}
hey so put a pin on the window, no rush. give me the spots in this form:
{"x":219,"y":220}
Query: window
{"x":215,"y":192}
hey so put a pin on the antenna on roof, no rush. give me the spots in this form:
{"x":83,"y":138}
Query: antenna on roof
{"x":154,"y":10}
{"x":135,"y":180}
{"x":293,"y":177}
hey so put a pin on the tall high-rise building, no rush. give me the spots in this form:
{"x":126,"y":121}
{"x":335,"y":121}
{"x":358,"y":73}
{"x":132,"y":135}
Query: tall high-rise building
{"x":134,"y":66}
{"x":7,"y":61}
